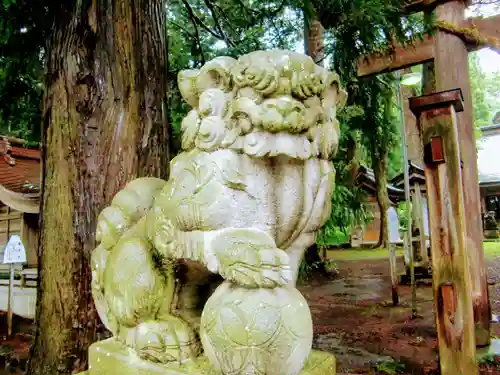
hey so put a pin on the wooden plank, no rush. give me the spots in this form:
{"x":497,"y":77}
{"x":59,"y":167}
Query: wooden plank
{"x":13,"y":215}
{"x":13,"y":225}
{"x":489,"y":26}
{"x":451,"y":280}
{"x":485,"y":32}
{"x":401,"y":57}
{"x":452,"y":71}
{"x":476,"y":32}
{"x":394,"y":275}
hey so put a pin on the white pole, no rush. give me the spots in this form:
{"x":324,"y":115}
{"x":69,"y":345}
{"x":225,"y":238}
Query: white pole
{"x":408,"y":242}
{"x":10,"y":301}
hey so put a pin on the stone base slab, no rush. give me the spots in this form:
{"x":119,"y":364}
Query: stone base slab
{"x":109,"y":357}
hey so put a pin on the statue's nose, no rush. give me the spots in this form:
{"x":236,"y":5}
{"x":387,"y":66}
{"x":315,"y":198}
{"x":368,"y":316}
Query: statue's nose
{"x":286,"y":107}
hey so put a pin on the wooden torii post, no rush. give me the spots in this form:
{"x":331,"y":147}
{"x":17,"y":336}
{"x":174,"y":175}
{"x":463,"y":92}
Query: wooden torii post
{"x":437,"y":117}
{"x":448,"y":48}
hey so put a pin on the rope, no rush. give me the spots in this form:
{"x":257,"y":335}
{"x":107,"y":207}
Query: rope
{"x":472,"y":32}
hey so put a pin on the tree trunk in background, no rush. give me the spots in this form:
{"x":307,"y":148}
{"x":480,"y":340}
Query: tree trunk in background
{"x":103,"y":125}
{"x":352,"y":158}
{"x":174,"y":100}
{"x":428,"y":78}
{"x":314,"y":42}
{"x":380,"y":170}
{"x":314,"y":46}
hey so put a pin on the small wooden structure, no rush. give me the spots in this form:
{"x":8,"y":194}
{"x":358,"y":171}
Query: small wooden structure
{"x":365,"y":179}
{"x":368,"y":234}
{"x":19,"y":207}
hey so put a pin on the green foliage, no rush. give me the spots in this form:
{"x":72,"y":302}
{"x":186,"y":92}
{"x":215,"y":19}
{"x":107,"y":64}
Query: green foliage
{"x":488,"y":359}
{"x":391,"y":367}
{"x":360,"y":27}
{"x":379,"y":125}
{"x":403,"y":211}
{"x":201,"y":30}
{"x":356,"y":28}
{"x":485,"y":90}
{"x":24,"y":29}
{"x":307,"y":269}
{"x":348,"y":211}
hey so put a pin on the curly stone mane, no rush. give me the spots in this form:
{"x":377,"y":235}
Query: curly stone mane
{"x":266,"y":103}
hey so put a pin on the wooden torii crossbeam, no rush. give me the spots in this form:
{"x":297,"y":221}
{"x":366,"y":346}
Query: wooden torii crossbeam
{"x":422,"y":51}
{"x":455,"y":36}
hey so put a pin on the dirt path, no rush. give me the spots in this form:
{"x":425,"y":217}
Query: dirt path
{"x":353,"y":318}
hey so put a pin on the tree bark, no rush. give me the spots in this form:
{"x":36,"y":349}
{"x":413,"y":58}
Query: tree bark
{"x":352,"y":158}
{"x":103,"y":125}
{"x":314,"y":42}
{"x":428,"y":78}
{"x":379,"y":163}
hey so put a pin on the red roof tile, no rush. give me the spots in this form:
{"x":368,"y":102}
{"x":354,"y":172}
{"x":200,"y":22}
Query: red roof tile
{"x":19,"y":168}
{"x":21,"y":152}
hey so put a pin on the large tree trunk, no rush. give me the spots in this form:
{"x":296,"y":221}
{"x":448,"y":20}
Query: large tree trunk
{"x":379,"y":163}
{"x":103,"y":125}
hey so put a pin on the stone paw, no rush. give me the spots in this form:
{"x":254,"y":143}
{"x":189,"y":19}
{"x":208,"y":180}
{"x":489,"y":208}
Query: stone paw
{"x":170,"y":340}
{"x":265,"y":268}
{"x":249,"y":257}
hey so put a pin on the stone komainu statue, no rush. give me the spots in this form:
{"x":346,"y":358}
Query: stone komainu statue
{"x":246,"y":195}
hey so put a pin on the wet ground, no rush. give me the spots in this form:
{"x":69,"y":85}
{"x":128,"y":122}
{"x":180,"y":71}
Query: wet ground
{"x":14,"y":351}
{"x":353,"y":318}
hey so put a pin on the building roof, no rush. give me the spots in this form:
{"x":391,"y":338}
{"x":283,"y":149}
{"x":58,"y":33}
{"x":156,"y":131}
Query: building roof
{"x":19,"y":167}
{"x":417,"y":175}
{"x":487,"y":162}
{"x":366,"y":179}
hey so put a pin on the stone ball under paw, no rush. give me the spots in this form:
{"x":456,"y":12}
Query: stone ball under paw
{"x":256,"y":331}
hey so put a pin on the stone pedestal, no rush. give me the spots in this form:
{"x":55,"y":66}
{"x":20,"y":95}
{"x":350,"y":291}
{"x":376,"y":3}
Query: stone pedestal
{"x":109,"y":357}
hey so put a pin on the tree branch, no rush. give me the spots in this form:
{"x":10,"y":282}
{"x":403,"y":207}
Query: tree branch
{"x":197,"y":20}
{"x":193,"y":18}
{"x":217,"y":24}
{"x":183,"y":29}
{"x":225,"y":16}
